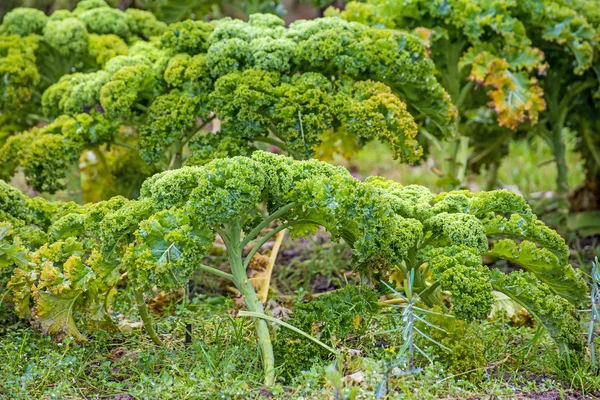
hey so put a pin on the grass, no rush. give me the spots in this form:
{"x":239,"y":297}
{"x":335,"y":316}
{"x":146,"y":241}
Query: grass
{"x":222,"y":361}
{"x":314,"y":266}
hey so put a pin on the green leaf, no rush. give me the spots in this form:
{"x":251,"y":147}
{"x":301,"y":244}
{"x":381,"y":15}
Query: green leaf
{"x":70,"y":225}
{"x":557,"y":315}
{"x":586,"y":223}
{"x":79,"y":274}
{"x":101,"y":291}
{"x":528,"y":228}
{"x":167,"y":249}
{"x":98,"y":299}
{"x":164,"y":251}
{"x":11,"y":251}
{"x":560,"y":277}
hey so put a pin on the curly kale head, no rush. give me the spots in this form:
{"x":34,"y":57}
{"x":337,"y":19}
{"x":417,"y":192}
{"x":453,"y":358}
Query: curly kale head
{"x":39,"y":148}
{"x":37,"y":51}
{"x":301,"y":88}
{"x":29,"y":64}
{"x":160,"y":239}
{"x":23,"y":22}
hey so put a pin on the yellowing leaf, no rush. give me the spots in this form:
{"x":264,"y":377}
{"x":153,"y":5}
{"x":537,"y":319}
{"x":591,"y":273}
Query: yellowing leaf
{"x":398,"y":276}
{"x":53,"y":315}
{"x":356,"y":321}
{"x":516,"y":97}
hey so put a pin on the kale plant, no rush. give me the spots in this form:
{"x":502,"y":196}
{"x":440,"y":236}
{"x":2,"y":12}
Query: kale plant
{"x":66,"y":260}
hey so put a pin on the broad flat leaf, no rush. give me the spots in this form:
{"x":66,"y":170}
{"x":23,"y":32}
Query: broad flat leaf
{"x":53,"y":315}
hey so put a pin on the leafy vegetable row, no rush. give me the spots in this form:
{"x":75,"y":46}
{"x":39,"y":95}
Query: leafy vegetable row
{"x":315,"y":88}
{"x":64,"y":261}
{"x":513,"y":70}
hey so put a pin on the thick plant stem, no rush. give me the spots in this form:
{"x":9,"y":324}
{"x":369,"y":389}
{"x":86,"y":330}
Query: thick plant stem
{"x":177,"y":158}
{"x":243,"y":284}
{"x":146,"y":320}
{"x":188,"y":326}
{"x":462,"y":157}
{"x":558,"y":145}
{"x":559,"y":106}
{"x":73,"y":184}
{"x":262,"y":331}
{"x":492,"y":177}
{"x":450,"y":153}
{"x":457,"y":154}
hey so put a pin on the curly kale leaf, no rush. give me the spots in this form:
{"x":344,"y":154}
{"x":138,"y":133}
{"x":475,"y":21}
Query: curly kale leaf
{"x":560,"y":318}
{"x":19,"y":70}
{"x":23,"y":22}
{"x":545,"y":265}
{"x":167,"y":250}
{"x":37,"y":150}
{"x":11,"y":250}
